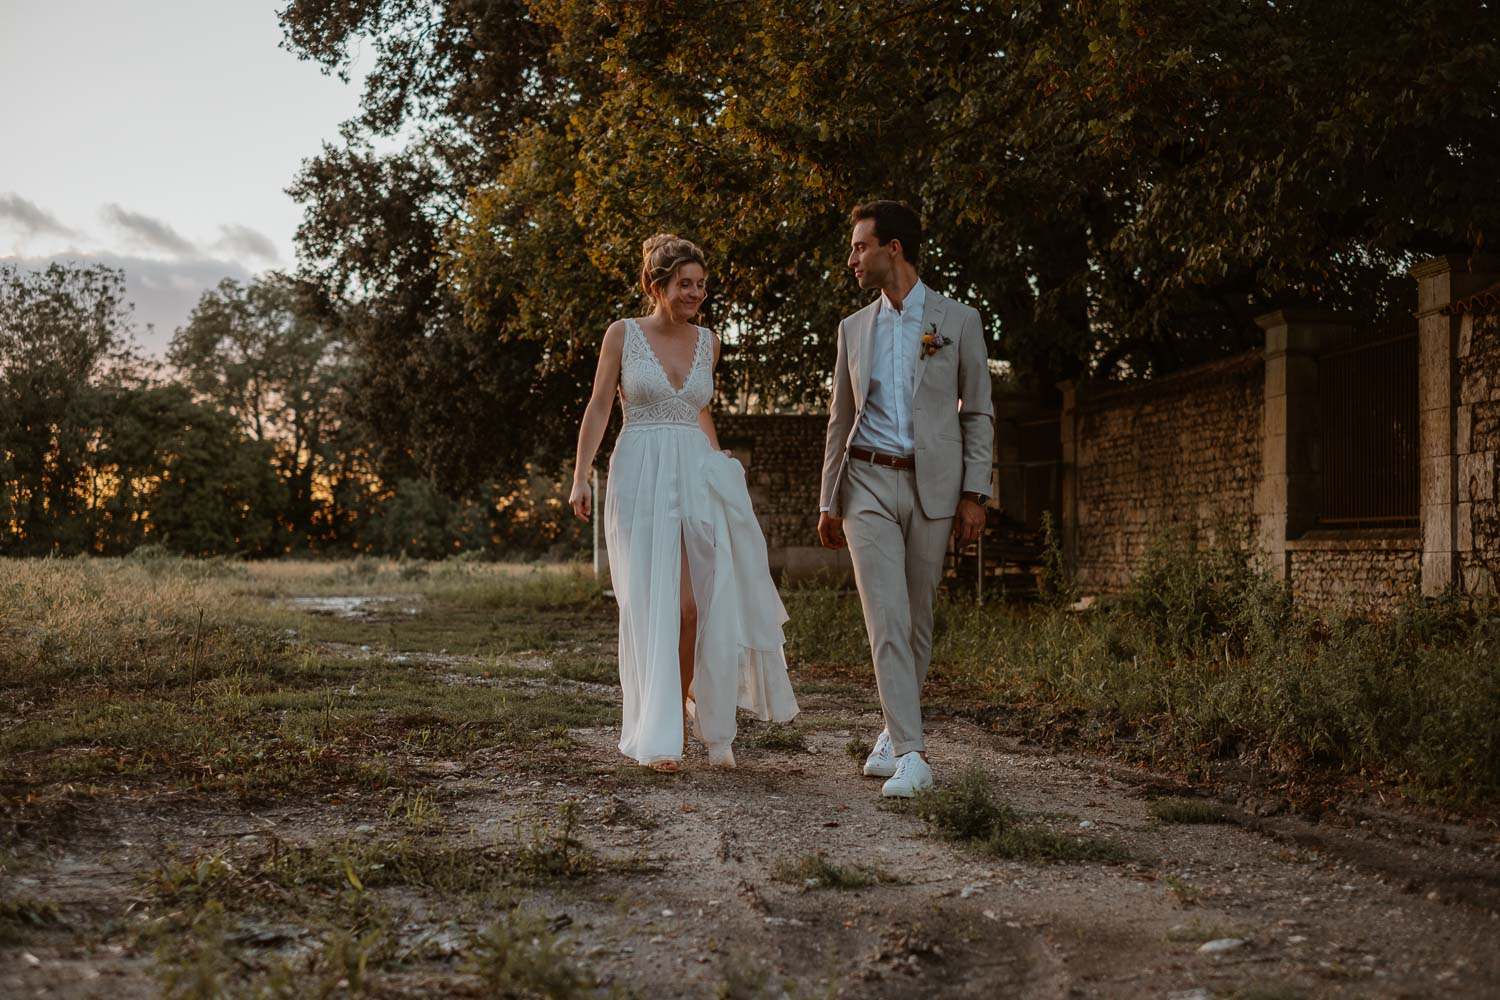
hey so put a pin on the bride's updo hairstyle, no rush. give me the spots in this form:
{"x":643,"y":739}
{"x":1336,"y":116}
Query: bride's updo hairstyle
{"x":662,"y":255}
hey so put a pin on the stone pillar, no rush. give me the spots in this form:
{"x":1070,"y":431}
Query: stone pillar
{"x":1442,"y":281}
{"x":1287,"y":498}
{"x":1068,"y":429}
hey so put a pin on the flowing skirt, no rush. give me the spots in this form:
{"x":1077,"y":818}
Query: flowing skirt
{"x":668,"y":493}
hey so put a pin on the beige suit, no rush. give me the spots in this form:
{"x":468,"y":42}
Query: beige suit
{"x":897,"y":521}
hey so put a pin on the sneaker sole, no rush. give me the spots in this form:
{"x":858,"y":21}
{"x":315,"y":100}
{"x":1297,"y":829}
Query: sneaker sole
{"x":910,"y":793}
{"x":876,"y":771}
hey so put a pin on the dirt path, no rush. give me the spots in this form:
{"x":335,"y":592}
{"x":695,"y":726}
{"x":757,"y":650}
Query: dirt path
{"x":686,"y":893}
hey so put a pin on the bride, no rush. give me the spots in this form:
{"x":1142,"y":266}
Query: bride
{"x":700,"y":620}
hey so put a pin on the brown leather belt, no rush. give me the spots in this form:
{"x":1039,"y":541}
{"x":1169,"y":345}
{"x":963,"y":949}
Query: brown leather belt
{"x":880,"y":458}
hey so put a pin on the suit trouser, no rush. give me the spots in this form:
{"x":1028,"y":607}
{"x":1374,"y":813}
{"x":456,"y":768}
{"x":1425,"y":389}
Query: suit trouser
{"x":898,"y":557}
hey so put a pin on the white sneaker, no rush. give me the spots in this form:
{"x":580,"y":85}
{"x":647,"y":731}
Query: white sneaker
{"x":912,"y":776}
{"x":882,"y":760}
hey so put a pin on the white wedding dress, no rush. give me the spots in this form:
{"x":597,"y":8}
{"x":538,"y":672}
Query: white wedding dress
{"x":669,"y":489}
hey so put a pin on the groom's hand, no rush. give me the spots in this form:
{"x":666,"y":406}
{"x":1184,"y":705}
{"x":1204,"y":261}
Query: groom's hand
{"x":831,"y":531}
{"x":968,"y":522}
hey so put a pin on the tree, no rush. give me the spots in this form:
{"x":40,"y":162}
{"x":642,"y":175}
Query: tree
{"x":1121,"y":187}
{"x":61,"y":331}
{"x":435,"y":397}
{"x":258,"y":353}
{"x":185,"y":475}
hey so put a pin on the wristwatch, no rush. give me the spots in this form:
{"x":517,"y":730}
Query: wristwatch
{"x":978,"y":498}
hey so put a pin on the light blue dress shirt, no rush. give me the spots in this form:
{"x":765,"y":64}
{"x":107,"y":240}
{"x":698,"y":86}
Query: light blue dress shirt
{"x":885,"y":425}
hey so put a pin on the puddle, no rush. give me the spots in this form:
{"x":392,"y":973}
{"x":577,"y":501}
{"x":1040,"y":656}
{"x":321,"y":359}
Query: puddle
{"x":354,"y":607}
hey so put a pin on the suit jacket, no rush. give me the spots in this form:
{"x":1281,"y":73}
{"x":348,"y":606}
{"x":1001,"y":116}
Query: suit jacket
{"x":953,"y":412}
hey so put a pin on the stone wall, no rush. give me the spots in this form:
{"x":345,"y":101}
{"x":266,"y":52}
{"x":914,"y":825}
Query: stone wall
{"x":1478,"y":445}
{"x":783,"y":459}
{"x":1177,"y":454}
{"x":1358,"y":571}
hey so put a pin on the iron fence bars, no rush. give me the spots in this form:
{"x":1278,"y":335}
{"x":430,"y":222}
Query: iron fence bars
{"x":1368,"y":431}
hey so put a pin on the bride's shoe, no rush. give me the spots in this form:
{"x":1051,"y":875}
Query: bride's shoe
{"x":721,"y":756}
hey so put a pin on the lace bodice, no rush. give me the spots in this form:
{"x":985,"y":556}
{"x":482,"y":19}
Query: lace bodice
{"x":647,"y":393}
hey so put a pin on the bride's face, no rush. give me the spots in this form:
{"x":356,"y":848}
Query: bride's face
{"x":683,"y":294}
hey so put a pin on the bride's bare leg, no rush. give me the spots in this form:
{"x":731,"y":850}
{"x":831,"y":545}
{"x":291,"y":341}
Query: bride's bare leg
{"x":687,"y":639}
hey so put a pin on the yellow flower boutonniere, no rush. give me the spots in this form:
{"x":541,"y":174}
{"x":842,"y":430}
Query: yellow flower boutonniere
{"x":932,"y":341}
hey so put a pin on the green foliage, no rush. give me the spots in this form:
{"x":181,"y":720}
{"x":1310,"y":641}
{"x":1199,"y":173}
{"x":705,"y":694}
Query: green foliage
{"x":964,"y":809}
{"x":1122,"y":188}
{"x":62,"y":346}
{"x":518,"y":956}
{"x":1204,"y":657}
{"x":815,"y":871}
{"x":1180,"y":810}
{"x":1056,"y":583}
{"x":258,"y":355}
{"x":187,"y":477}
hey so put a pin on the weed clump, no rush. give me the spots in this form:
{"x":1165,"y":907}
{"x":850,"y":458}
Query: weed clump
{"x":774,"y":737}
{"x":815,"y":871}
{"x":1189,"y":811}
{"x":965,"y":810}
{"x":519,"y":956}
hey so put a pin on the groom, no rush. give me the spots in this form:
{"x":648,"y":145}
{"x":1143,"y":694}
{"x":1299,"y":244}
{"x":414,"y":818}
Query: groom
{"x":906,"y":464}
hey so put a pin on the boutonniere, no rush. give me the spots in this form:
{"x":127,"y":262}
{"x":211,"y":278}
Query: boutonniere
{"x":932,"y":341}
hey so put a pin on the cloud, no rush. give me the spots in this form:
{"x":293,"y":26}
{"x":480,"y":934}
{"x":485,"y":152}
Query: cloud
{"x":148,"y":233}
{"x":242,"y":241}
{"x":29,"y":219}
{"x":163,"y":292}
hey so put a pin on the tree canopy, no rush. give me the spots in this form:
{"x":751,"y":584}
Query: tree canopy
{"x":1121,"y":187}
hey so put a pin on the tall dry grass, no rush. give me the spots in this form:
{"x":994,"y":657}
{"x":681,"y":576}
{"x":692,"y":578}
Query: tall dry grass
{"x":1204,"y":658}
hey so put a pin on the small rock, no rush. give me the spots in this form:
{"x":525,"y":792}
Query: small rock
{"x":30,"y":959}
{"x":1219,"y":945}
{"x":658,"y":939}
{"x":668,"y":913}
{"x":364,"y":830}
{"x":1297,"y":939}
{"x":973,"y":889}
{"x":1199,"y":993}
{"x":1087,"y":824}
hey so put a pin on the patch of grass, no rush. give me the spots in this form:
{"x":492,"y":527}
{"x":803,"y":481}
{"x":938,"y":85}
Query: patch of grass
{"x":585,"y":669}
{"x":815,"y":871}
{"x":555,"y":853}
{"x":519,"y":956}
{"x":773,"y":736}
{"x":1181,"y":810}
{"x":1204,"y":658}
{"x":1196,"y":931}
{"x":857,"y":748}
{"x":965,"y":810}
{"x":330,"y":867}
{"x":417,"y":812}
{"x":21,"y":917}
{"x":1186,"y":893}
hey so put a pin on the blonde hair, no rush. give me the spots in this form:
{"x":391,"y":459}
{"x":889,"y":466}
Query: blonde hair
{"x":662,"y":255}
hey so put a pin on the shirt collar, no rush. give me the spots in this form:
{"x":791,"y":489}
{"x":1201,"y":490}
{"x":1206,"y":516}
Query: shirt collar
{"x":915,"y":299}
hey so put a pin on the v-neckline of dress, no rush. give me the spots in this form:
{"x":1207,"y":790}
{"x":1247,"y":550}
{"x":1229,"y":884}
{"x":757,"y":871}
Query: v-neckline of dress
{"x":656,"y":359}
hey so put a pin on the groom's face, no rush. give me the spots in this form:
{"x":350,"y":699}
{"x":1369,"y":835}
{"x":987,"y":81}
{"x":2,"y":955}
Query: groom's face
{"x":872,"y":263}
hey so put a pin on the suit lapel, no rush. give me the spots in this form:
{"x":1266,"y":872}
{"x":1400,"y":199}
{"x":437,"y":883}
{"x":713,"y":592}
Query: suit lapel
{"x":932,"y":316}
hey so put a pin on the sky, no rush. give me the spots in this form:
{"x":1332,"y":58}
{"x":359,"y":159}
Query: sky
{"x":157,"y":136}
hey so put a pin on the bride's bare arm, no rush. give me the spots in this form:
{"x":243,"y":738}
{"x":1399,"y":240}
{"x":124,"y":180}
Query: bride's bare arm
{"x":596,"y":416}
{"x":705,"y":419}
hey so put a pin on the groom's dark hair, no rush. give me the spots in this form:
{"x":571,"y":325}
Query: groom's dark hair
{"x":894,"y":220}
